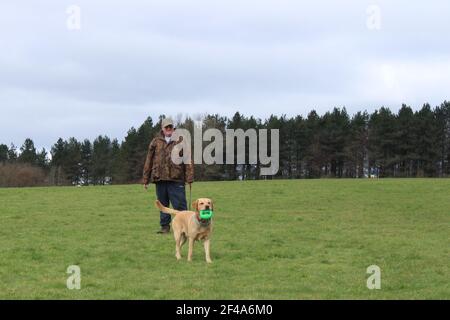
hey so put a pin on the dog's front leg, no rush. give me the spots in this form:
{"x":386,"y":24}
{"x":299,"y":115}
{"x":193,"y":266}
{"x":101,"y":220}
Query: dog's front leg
{"x":207,"y":254}
{"x":191,"y":248}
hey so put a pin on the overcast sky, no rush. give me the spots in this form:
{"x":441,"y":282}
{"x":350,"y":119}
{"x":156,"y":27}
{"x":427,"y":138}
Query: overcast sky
{"x":132,"y":59}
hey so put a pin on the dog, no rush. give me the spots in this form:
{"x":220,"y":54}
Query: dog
{"x":188,"y":225}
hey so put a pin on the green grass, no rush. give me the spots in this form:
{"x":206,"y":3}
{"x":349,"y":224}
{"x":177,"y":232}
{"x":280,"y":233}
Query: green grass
{"x":291,"y":239}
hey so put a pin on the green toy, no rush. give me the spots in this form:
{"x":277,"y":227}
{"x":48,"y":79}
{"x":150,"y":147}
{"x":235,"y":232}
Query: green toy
{"x":206,"y":214}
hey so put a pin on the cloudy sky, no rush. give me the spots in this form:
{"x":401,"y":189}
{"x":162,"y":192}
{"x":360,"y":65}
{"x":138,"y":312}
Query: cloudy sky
{"x":127,"y":60}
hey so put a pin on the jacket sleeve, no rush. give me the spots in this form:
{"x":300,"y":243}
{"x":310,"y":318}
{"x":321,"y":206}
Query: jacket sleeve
{"x":149,"y":162}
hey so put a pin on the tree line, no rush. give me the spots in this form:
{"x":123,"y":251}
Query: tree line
{"x":384,"y":144}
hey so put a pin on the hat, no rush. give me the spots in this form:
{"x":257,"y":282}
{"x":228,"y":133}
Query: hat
{"x":166,"y":122}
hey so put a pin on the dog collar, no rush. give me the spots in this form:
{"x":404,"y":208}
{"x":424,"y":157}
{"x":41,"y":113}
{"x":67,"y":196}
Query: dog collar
{"x":202,"y":222}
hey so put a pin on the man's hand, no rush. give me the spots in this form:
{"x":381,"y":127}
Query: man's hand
{"x":145,"y":186}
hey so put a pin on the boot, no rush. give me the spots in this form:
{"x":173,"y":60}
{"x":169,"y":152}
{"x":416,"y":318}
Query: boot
{"x":164,"y":229}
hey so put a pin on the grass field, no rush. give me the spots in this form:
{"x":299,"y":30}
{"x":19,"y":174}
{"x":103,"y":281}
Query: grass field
{"x":291,"y":239}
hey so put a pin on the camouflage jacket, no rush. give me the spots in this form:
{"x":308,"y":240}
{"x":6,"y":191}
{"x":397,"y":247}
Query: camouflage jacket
{"x":160,"y":167}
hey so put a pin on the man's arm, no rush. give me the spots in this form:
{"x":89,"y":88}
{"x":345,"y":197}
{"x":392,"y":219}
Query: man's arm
{"x":149,"y":163}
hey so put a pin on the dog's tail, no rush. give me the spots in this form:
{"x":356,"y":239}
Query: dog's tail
{"x":164,"y":209}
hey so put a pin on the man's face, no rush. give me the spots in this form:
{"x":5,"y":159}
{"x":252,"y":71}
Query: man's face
{"x":168,"y":130}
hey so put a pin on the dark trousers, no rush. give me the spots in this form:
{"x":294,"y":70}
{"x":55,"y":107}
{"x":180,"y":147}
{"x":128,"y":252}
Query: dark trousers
{"x":173,"y":192}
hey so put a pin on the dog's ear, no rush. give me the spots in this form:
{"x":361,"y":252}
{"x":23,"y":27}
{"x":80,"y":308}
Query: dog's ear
{"x":195,"y":205}
{"x":212,"y":205}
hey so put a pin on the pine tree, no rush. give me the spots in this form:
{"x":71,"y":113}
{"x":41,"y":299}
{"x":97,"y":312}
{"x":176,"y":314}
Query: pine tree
{"x":356,"y":146}
{"x":427,"y":141}
{"x":313,"y":154}
{"x":405,"y":138}
{"x":59,"y":154}
{"x":28,"y":152}
{"x":12,"y":153}
{"x":442,"y":116}
{"x":3,"y":153}
{"x":72,"y":162}
{"x":86,"y":162}
{"x":382,"y":142}
{"x":41,"y":159}
{"x":115,"y":164}
{"x":101,"y":160}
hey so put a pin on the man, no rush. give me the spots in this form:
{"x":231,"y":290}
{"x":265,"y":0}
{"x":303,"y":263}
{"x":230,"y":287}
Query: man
{"x":170,"y":178}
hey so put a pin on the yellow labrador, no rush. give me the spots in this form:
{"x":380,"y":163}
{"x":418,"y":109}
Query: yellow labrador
{"x":188,"y":225}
